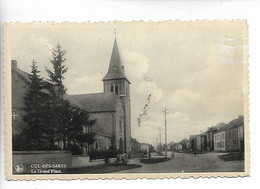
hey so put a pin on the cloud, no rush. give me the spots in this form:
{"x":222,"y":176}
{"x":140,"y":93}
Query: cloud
{"x":197,"y":74}
{"x":137,"y":64}
{"x":83,"y":84}
{"x":184,"y":99}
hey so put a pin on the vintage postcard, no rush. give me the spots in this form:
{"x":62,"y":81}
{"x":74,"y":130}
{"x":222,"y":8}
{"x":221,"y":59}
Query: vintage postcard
{"x":126,"y":100}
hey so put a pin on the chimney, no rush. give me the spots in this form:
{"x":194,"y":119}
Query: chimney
{"x":14,"y":63}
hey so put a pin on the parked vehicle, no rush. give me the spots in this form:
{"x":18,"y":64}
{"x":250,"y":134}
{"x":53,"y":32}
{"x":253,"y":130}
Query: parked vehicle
{"x":121,"y":158}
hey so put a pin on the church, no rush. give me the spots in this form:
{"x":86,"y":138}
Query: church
{"x":111,"y":108}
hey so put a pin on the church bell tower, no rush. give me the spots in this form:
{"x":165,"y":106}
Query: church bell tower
{"x":116,"y":81}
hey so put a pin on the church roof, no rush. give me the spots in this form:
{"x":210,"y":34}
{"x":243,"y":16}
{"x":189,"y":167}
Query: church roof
{"x":95,"y":102}
{"x":116,"y":68}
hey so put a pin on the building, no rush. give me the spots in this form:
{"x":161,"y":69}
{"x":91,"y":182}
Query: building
{"x":193,"y":142}
{"x":199,"y":142}
{"x":20,"y":85}
{"x":175,"y":146}
{"x":111,"y":108}
{"x":235,"y":135}
{"x":220,"y":140}
{"x":135,"y":146}
{"x":185,"y":144}
{"x":209,"y":136}
{"x":144,"y":147}
{"x":231,"y":136}
{"x":171,"y":146}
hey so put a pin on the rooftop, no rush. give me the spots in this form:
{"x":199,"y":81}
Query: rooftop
{"x":95,"y":102}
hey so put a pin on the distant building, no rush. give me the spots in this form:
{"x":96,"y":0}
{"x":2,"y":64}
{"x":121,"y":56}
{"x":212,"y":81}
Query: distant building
{"x":185,"y":144}
{"x":145,"y":147}
{"x":199,"y":142}
{"x":231,"y":136}
{"x":171,"y":146}
{"x":220,"y":140}
{"x":175,"y":146}
{"x":193,"y":142}
{"x":135,"y":146}
{"x":210,"y":136}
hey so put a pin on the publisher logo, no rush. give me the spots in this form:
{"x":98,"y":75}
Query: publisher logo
{"x":19,"y":168}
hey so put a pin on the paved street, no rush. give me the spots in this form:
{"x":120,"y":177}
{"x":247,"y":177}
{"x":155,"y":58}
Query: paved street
{"x":208,"y":162}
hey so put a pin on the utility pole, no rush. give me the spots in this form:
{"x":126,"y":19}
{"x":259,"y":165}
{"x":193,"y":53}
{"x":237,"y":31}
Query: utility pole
{"x":160,"y":146}
{"x":165,"y":123}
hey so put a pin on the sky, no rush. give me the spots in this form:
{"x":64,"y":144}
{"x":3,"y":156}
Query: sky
{"x":194,"y":69}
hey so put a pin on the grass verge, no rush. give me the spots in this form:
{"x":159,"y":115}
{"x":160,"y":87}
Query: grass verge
{"x":154,"y":160}
{"x":98,"y":169}
{"x":233,"y":156}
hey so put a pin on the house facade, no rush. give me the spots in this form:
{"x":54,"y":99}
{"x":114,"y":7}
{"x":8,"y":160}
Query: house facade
{"x":235,"y":135}
{"x":220,"y":141}
{"x":185,"y":144}
{"x":210,"y":136}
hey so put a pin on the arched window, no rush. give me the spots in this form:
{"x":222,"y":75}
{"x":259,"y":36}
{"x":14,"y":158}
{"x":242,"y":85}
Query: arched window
{"x":116,"y":88}
{"x":120,"y":126}
{"x":96,"y":145}
{"x":111,"y":88}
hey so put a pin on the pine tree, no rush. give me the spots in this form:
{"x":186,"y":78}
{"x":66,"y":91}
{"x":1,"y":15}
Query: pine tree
{"x":57,"y":91}
{"x":35,"y":135}
{"x":66,"y":121}
{"x":76,"y":132}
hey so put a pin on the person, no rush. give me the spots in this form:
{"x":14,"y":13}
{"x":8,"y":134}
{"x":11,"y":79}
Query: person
{"x":149,"y":155}
{"x":173,"y":155}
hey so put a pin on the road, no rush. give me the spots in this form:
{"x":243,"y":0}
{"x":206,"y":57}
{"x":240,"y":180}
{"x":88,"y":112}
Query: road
{"x":183,"y":162}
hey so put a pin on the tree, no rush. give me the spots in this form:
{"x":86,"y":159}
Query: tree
{"x":67,"y":122}
{"x":57,"y":91}
{"x":35,"y":136}
{"x":79,"y":134}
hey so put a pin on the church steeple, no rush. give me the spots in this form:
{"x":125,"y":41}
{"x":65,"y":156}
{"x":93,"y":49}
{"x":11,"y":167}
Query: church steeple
{"x":116,"y":68}
{"x":116,"y":82}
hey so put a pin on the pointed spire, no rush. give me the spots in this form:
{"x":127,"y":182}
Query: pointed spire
{"x":116,"y":68}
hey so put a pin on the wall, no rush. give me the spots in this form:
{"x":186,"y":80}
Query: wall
{"x":27,"y":158}
{"x":119,"y":116}
{"x":198,"y":143}
{"x":219,"y":141}
{"x":232,"y":140}
{"x":104,"y":123}
{"x":83,"y":161}
{"x":241,"y":137}
{"x":21,"y":85}
{"x":104,"y":142}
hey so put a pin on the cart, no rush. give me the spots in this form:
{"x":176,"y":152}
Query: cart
{"x":121,"y":158}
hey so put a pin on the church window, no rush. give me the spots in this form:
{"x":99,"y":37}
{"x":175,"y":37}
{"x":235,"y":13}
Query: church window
{"x":120,"y":126}
{"x":14,"y":114}
{"x":111,"y":88}
{"x":96,"y":145}
{"x":116,"y":88}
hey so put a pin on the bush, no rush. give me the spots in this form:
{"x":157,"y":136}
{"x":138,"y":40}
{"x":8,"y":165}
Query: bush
{"x":76,"y":150}
{"x":103,"y":154}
